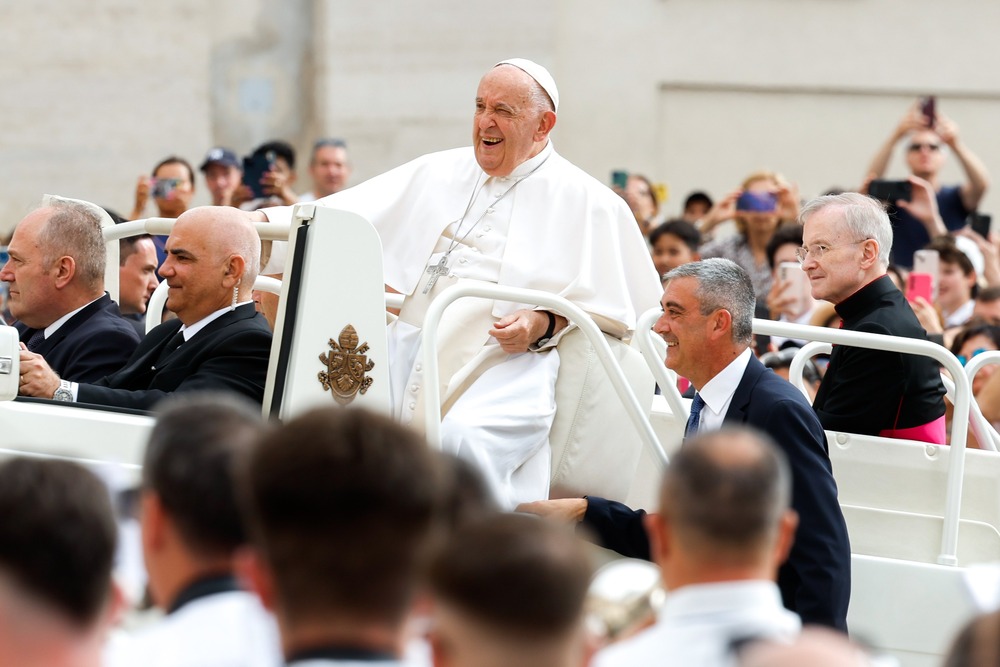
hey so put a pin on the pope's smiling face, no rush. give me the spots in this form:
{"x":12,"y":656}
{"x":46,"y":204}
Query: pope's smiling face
{"x":509,"y":126}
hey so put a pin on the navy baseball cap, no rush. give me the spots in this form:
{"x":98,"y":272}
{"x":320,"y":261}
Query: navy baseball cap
{"x":220,"y":155}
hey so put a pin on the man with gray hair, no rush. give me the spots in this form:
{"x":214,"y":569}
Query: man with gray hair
{"x":511,"y":211}
{"x":846,"y":244}
{"x":56,"y":278}
{"x":723,"y":530}
{"x":707,"y":318}
{"x":218,"y":341}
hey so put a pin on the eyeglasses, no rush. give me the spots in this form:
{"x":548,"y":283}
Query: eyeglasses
{"x":913,"y":148}
{"x":975,"y":353}
{"x":817,"y":250}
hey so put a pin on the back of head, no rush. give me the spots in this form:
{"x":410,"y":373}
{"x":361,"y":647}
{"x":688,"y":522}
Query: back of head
{"x":520,"y":580}
{"x":341,"y":505}
{"x":74,"y":229}
{"x":723,"y":284}
{"x":189,"y":465}
{"x":977,"y":644}
{"x":57,"y":538}
{"x":724,"y":495}
{"x":863,"y":216}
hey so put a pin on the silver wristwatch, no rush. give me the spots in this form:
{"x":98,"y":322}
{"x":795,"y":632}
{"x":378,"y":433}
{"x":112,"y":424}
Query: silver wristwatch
{"x":64,"y":392}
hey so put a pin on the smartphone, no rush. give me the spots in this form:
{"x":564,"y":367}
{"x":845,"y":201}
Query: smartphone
{"x":928,"y":109}
{"x":919,"y":284}
{"x":891,"y":191}
{"x":757,"y":202}
{"x":928,"y":262}
{"x":619,"y":179}
{"x":162,"y":188}
{"x":981,"y":223}
{"x":254,"y":168}
{"x":792,"y":273}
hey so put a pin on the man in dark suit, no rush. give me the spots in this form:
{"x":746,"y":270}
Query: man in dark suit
{"x":56,"y":277}
{"x":217,"y":342}
{"x":847,"y":240}
{"x":707,"y":317}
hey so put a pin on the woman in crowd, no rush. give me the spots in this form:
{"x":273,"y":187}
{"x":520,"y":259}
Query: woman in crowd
{"x":762,"y":203}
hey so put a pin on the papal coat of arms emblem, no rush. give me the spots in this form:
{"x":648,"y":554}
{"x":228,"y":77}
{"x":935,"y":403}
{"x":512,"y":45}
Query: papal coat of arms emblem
{"x":346,"y":365}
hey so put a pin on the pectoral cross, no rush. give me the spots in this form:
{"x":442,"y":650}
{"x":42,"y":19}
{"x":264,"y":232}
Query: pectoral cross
{"x":436,"y":271}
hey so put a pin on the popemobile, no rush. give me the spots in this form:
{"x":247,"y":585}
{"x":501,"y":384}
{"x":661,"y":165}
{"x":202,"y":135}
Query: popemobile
{"x":924,"y":520}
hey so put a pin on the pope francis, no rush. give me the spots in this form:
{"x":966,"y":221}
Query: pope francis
{"x":510,"y":211}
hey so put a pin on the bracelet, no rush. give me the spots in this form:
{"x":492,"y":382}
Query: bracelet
{"x":549,"y":331}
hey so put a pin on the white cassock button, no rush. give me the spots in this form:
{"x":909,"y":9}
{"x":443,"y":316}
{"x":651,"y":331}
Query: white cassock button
{"x":414,"y":388}
{"x":498,"y":195}
{"x":487,"y":228}
{"x":417,"y":367}
{"x":413,"y":405}
{"x":490,"y":210}
{"x":463,"y":261}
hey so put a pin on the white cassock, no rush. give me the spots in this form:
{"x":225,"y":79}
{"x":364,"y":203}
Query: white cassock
{"x":558,"y":230}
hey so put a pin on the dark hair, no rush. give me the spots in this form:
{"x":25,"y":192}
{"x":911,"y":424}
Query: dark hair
{"x":724,"y":503}
{"x":467,"y":497}
{"x":189,"y":465}
{"x":949,"y":253}
{"x":173,"y":159}
{"x":972,"y":329}
{"x":281,"y":149}
{"x":977,"y":644}
{"x":988,"y":294}
{"x":58,"y":534}
{"x":698,"y":197}
{"x":787,"y":233}
{"x":783,"y":359}
{"x":341,"y":503}
{"x":126,"y":247}
{"x":682,"y":229}
{"x":522,"y":576}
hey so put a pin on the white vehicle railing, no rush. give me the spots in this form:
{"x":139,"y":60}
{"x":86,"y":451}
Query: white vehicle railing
{"x":956,"y":459}
{"x":557,"y":304}
{"x":654,"y":359}
{"x":158,"y":299}
{"x":268,"y":231}
{"x":986,"y":435}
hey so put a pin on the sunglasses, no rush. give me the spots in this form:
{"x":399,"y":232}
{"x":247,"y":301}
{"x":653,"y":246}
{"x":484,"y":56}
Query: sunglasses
{"x":975,"y":353}
{"x":931,"y":147}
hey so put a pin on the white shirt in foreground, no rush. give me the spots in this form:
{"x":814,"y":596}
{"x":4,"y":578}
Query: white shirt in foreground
{"x":699,"y":624}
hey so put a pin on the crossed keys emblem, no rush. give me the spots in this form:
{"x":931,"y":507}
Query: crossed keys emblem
{"x":346,"y":366}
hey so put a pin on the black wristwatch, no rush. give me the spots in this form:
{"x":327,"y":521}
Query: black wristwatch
{"x":548,"y":332}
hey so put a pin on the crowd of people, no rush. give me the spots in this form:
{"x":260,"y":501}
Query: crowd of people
{"x":338,"y":537}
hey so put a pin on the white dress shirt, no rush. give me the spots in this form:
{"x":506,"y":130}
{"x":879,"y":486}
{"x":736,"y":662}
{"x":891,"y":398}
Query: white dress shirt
{"x":700,"y":624}
{"x":718,"y":392}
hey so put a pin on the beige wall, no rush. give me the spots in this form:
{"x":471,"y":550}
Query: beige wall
{"x":694,"y":93}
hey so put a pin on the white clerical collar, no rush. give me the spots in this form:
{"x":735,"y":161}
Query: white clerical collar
{"x":54,"y":327}
{"x":190,"y":331}
{"x":529,"y":165}
{"x":718,"y":392}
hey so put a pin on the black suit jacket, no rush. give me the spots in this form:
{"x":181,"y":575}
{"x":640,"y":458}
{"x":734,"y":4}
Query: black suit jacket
{"x":869,"y":391}
{"x":815,"y":582}
{"x":91,"y":344}
{"x":229,"y":354}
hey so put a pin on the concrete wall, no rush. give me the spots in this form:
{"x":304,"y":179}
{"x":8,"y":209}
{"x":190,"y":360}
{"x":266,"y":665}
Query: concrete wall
{"x":694,"y":93}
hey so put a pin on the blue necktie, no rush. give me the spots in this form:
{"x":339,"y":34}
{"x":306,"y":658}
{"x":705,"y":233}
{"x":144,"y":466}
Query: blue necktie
{"x":694,"y":419}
